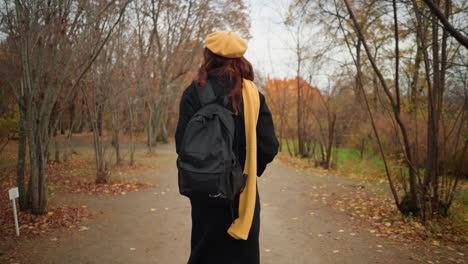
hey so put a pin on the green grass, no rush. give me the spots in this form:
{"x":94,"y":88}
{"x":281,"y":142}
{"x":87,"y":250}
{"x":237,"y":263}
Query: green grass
{"x":347,"y":154}
{"x":459,"y":210}
{"x":293,"y":143}
{"x":348,"y":160}
{"x":463,"y":197}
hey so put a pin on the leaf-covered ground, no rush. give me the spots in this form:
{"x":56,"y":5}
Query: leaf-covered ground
{"x":372,"y":205}
{"x":307,"y":217}
{"x":74,"y":176}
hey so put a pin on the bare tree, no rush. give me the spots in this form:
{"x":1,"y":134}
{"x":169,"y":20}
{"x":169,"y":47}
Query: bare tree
{"x":57,"y":42}
{"x":435,"y":9}
{"x":427,"y":198}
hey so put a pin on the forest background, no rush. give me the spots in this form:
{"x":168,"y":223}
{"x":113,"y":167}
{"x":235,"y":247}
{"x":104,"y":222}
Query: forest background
{"x":392,"y":106}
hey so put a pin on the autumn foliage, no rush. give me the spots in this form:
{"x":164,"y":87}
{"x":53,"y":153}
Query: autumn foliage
{"x":282,"y":98}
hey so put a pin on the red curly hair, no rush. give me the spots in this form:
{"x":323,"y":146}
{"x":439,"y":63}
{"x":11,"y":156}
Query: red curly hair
{"x":230,"y":70}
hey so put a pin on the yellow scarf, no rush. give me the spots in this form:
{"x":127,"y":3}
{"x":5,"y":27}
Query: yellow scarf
{"x":241,"y":226}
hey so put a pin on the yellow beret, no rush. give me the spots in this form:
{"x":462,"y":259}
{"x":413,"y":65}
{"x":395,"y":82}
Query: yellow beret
{"x":226,"y":43}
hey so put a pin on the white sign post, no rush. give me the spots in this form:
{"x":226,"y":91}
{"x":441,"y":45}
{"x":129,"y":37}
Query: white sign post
{"x":13,"y":192}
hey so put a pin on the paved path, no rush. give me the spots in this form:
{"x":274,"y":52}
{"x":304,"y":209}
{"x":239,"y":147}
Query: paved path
{"x":128,"y":231}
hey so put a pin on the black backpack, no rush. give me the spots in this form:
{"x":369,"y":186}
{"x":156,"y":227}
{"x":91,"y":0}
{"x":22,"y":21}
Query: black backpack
{"x":206,"y":162}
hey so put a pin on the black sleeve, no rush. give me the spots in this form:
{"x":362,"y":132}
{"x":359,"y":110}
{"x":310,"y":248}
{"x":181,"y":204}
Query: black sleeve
{"x":267,"y":143}
{"x":186,"y":111}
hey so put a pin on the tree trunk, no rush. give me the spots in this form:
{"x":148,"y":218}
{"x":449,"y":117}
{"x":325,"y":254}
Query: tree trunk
{"x":132,"y":143}
{"x":432,"y":160}
{"x":37,"y":164}
{"x":300,"y":139}
{"x":42,"y":149}
{"x":100,"y":113}
{"x":331,"y":136}
{"x":72,"y":110}
{"x":68,"y":138}
{"x":82,"y":121}
{"x":149,"y":131}
{"x":101,"y":166}
{"x":414,"y":82}
{"x":163,"y":136}
{"x":116,"y":144}
{"x":57,"y":150}
{"x":358,"y":78}
{"x":361,"y":148}
{"x":414,"y":199}
{"x":23,"y":201}
{"x":375,"y":84}
{"x":444,"y":65}
{"x":62,"y":125}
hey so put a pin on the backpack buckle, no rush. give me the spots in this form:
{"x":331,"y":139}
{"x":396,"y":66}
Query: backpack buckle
{"x":204,"y":123}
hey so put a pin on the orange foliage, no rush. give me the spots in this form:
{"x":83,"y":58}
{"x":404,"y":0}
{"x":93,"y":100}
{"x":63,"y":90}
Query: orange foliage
{"x":281,"y":95}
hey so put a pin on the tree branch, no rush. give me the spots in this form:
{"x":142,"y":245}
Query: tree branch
{"x":454,"y":32}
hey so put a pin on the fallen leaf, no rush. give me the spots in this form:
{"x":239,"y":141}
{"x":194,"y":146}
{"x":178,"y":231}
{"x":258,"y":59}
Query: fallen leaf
{"x":83,"y":228}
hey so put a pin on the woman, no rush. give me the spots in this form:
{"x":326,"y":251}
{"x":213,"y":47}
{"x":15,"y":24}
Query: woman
{"x":225,"y":67}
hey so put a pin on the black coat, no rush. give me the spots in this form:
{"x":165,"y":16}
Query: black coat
{"x":211,"y":218}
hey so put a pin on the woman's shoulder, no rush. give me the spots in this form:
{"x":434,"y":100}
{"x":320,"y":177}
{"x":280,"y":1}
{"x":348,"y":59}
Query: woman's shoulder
{"x":189,"y":96}
{"x":260,"y":93}
{"x":190,"y":89}
{"x":261,"y":96}
{"x":190,"y":92}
